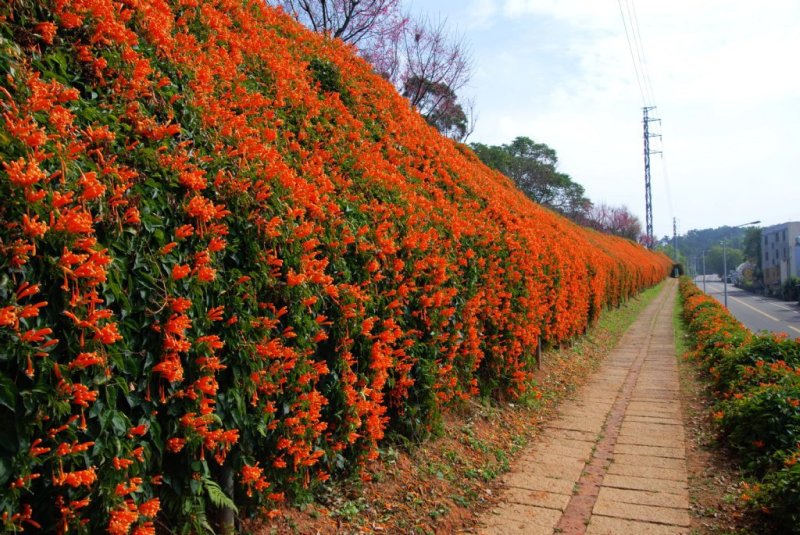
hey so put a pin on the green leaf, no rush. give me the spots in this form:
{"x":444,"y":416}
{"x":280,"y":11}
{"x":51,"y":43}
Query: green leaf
{"x":117,"y":421}
{"x":6,"y":470}
{"x":217,"y":496}
{"x":8,"y":393}
{"x":9,"y":437}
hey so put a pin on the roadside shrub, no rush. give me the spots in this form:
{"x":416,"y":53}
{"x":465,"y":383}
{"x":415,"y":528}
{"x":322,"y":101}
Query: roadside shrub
{"x":756,"y":362}
{"x":715,"y":331}
{"x":779,"y":494}
{"x":790,"y":291}
{"x":763,"y":422}
{"x":756,"y":382}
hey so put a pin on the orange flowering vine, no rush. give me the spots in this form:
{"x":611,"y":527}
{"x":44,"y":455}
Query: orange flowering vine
{"x":219,"y":262}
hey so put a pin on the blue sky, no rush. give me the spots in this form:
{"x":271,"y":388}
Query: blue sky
{"x":725,"y":79}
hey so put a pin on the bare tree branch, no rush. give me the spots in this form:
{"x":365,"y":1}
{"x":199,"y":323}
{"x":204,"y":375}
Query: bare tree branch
{"x":425,"y":61}
{"x":349,"y":20}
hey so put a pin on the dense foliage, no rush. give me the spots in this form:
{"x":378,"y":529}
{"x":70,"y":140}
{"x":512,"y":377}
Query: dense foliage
{"x":232,"y":258}
{"x":533,"y":167}
{"x":756,"y":381}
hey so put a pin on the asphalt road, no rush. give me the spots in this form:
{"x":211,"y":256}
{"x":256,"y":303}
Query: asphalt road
{"x":757,"y":312}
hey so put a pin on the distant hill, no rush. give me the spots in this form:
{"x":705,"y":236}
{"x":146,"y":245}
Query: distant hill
{"x":695,"y":241}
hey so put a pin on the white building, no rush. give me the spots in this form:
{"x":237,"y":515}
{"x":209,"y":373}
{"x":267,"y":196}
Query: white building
{"x":780,"y":254}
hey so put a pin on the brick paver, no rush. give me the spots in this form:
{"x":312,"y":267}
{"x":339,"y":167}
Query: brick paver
{"x":613,"y":461}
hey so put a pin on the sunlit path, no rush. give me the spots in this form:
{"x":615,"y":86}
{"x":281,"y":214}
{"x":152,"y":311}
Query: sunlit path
{"x":614,"y":459}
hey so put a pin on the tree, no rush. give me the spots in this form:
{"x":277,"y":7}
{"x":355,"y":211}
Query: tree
{"x":429,"y":65}
{"x":751,"y":245}
{"x":714,"y":259}
{"x":426,"y":62}
{"x":494,"y":156}
{"x":432,"y":54}
{"x":617,"y":220}
{"x":533,"y":167}
{"x":351,"y":21}
{"x":439,"y":105}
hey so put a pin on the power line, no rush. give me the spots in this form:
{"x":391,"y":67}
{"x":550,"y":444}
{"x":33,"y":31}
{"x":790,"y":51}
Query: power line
{"x":633,"y":55}
{"x":633,"y":36}
{"x":633,"y":20}
{"x":665,"y":175}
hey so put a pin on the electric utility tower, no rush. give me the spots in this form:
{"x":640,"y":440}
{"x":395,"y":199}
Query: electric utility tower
{"x":675,"y":237}
{"x":648,"y":194}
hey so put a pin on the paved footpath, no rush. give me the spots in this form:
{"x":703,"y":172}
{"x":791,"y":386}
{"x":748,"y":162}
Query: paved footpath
{"x":613,"y":460}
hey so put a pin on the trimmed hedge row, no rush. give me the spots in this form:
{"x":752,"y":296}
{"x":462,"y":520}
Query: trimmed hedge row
{"x":756,"y":382}
{"x":232,"y":259}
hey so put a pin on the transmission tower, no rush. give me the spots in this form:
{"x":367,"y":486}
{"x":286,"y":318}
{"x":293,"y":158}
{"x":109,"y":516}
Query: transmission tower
{"x":675,"y":238}
{"x":648,"y":194}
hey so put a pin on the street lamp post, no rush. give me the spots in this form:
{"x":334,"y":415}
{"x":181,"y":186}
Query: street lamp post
{"x":704,"y":272}
{"x":725,"y":262}
{"x":725,"y":272}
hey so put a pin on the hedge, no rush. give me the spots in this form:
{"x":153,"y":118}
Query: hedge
{"x":756,"y":385}
{"x":232,"y":259}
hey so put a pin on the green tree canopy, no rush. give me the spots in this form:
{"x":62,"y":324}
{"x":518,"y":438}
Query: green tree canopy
{"x":715,"y":261}
{"x":751,"y":245}
{"x":533,"y":167}
{"x":438,"y":103}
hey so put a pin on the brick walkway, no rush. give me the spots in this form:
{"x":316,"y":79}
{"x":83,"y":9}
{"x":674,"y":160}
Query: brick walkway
{"x":613,"y":461}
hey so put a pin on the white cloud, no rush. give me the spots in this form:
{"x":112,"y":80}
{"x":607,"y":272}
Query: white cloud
{"x":583,"y":13}
{"x":482,"y":12}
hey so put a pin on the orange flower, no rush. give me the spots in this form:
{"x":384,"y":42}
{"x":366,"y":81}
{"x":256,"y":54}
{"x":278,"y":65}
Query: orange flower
{"x":132,"y":216}
{"x":82,"y":396}
{"x":123,"y":489}
{"x":181,"y":304}
{"x":84,"y":360}
{"x":194,"y":180}
{"x":201,"y":208}
{"x":121,"y":464}
{"x":207,"y":385}
{"x":184,"y":231}
{"x":32,"y":227}
{"x":8,"y":316}
{"x":35,"y":450}
{"x":253,"y":479}
{"x":176,"y":444}
{"x":180,"y":271}
{"x":23,"y":173}
{"x":168,"y":248}
{"x":121,"y":521}
{"x":108,"y":334}
{"x":216,"y":244}
{"x":150,"y":508}
{"x":177,"y":324}
{"x":75,"y":221}
{"x":76,"y":479}
{"x":139,"y":431}
{"x":47,"y":31}
{"x":92,"y":188}
{"x":216,"y":313}
{"x":146,"y":528}
{"x":206,"y":274}
{"x":170,"y":368}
